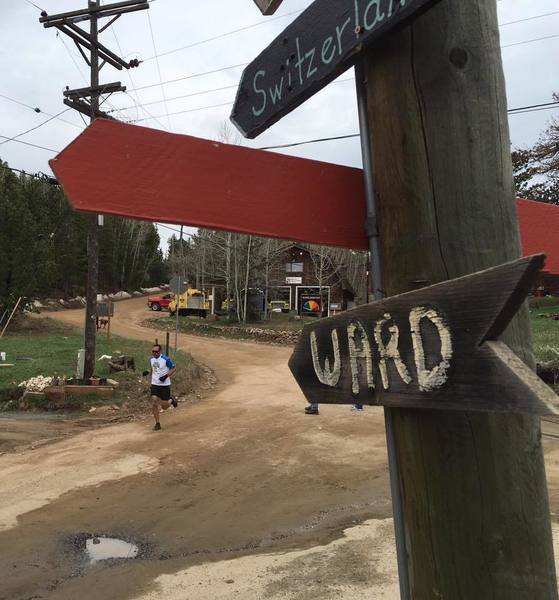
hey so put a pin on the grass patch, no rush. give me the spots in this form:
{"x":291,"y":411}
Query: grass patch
{"x":546,"y":335}
{"x":52,"y":351}
{"x":543,"y":303}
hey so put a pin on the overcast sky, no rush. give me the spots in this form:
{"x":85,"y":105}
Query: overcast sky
{"x":36,"y":66}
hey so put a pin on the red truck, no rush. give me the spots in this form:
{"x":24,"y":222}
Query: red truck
{"x":160,"y":302}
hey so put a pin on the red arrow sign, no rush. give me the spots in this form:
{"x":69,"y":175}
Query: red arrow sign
{"x":149,"y":174}
{"x":119,"y":169}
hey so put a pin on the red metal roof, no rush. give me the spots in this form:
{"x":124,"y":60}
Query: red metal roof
{"x":539,"y":231}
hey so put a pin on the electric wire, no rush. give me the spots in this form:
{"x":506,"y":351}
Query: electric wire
{"x":38,"y":110}
{"x":15,"y":137}
{"x":201,"y":74}
{"x":136,"y":100}
{"x":530,"y":18}
{"x":203,"y":92}
{"x":159,"y":71}
{"x":193,"y":76}
{"x":547,"y":37}
{"x":222,"y":35}
{"x":295,"y":12}
{"x":30,"y":144}
{"x":33,"y":4}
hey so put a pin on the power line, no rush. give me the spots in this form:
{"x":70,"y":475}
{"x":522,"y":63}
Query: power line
{"x":33,"y":4}
{"x":547,"y":37}
{"x":519,"y":110}
{"x":203,"y":92}
{"x":29,"y":144}
{"x":315,"y":141}
{"x":146,"y":111}
{"x":38,"y":110}
{"x":545,"y":105}
{"x":295,"y":12}
{"x":145,"y":87}
{"x":136,"y":100}
{"x":530,"y":18}
{"x":246,"y":63}
{"x":14,"y":138}
{"x":189,"y":110}
{"x":159,"y":71}
{"x":222,"y":35}
{"x":182,"y":112}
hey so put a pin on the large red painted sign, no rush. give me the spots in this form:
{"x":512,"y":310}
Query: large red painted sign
{"x":130,"y":171}
{"x":118,"y":169}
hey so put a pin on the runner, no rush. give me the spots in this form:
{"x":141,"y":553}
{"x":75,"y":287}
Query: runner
{"x":162,"y":368}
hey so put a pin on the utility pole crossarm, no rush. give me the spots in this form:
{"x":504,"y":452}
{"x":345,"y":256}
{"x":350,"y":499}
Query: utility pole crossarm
{"x":100,"y":11}
{"x":85,"y":109}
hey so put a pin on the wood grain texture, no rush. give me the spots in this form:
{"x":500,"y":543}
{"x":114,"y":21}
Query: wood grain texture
{"x":320,"y":44}
{"x":473,"y":484}
{"x":443,"y":360}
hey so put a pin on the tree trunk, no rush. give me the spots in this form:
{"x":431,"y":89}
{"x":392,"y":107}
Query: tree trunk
{"x":247,"y":279}
{"x":473,"y":485}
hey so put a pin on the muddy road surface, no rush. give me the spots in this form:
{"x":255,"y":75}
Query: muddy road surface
{"x":239,"y":495}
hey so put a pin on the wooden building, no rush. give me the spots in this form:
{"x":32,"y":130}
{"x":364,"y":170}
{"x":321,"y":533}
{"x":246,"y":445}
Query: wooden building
{"x":539,"y":232}
{"x":305,"y":282}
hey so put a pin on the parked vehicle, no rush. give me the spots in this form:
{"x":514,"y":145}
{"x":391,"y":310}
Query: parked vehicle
{"x":160,"y":302}
{"x":278,"y":306}
{"x":192,"y":302}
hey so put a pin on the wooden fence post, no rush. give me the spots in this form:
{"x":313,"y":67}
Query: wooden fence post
{"x":474,"y":490}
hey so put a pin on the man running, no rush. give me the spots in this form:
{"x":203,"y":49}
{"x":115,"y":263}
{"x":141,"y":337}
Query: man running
{"x":162,"y":368}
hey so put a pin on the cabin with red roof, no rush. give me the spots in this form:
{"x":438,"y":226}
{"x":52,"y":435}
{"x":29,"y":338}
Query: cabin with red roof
{"x":539,"y":232}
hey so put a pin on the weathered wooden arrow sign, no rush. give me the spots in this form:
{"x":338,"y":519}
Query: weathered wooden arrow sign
{"x":433,"y":348}
{"x":268,"y":7}
{"x":324,"y":41}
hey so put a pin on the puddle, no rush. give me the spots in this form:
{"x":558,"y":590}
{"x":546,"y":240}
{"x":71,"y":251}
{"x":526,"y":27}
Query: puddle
{"x":105,"y":548}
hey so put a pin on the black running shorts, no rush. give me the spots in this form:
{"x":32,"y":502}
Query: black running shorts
{"x":161,"y":391}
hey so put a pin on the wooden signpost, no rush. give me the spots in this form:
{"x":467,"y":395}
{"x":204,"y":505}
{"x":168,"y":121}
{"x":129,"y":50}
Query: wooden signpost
{"x":323,"y":42}
{"x":468,"y":485}
{"x":436,"y":348}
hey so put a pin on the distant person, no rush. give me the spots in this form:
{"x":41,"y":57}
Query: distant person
{"x":162,"y":369}
{"x":311,"y":409}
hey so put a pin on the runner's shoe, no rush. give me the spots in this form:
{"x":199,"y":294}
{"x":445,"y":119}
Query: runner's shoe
{"x":157,"y":427}
{"x":311,"y":410}
{"x":174,"y":402}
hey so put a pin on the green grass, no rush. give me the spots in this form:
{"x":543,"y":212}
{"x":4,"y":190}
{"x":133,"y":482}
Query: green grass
{"x":538,"y":304}
{"x":546,"y":335}
{"x":56,"y":354}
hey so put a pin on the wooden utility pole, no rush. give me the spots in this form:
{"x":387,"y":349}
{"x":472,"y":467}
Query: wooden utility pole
{"x":90,"y":329}
{"x":86,"y":101}
{"x":473,"y":485}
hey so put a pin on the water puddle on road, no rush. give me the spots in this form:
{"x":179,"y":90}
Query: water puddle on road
{"x":105,"y":548}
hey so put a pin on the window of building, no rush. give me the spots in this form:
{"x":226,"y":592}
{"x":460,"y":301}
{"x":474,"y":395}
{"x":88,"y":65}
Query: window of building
{"x":294,"y":267}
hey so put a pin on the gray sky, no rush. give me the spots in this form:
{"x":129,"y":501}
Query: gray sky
{"x":36,"y":65}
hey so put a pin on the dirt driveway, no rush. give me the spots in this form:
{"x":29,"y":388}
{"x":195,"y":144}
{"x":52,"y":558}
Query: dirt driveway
{"x":239,"y":496}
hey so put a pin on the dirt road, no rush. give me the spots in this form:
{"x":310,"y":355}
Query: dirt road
{"x":240,"y":494}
